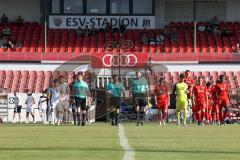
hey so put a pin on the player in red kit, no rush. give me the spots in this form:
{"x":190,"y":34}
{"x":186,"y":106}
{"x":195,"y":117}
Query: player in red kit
{"x":161,"y":93}
{"x":222,"y":93}
{"x":215,"y":107}
{"x":190,"y":82}
{"x":209,"y":107}
{"x":200,"y":100}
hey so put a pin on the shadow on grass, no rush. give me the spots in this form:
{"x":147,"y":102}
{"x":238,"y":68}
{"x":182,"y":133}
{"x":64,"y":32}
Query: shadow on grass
{"x":117,"y":150}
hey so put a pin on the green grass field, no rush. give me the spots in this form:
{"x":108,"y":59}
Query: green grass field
{"x":101,"y":141}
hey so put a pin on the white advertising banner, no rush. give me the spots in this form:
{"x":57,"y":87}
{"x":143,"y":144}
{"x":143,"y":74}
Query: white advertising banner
{"x":73,"y":22}
{"x":36,"y":96}
{"x":23,"y":111}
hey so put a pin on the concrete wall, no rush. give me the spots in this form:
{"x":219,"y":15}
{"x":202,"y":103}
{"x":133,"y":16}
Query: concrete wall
{"x":171,"y":67}
{"x":233,"y":13}
{"x":176,"y":10}
{"x":28,"y":9}
{"x":182,"y":10}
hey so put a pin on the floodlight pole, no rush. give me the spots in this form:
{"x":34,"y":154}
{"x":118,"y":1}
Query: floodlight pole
{"x":45,"y":26}
{"x":195,"y":25}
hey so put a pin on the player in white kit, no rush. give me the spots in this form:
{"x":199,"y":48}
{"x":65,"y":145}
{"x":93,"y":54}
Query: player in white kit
{"x":18,"y":106}
{"x":42,"y":106}
{"x":30,"y":101}
{"x":54,"y":96}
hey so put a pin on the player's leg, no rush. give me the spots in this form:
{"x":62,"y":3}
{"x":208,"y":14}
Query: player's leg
{"x":74,"y":115}
{"x":27,"y":116}
{"x":164,"y":115}
{"x":143,"y":104}
{"x":14,"y":112}
{"x":210,"y":114}
{"x":118,"y":103}
{"x":44,"y":118}
{"x":112,"y":113}
{"x":59,"y":113}
{"x":33,"y":114}
{"x":83,"y":111}
{"x":204,"y":112}
{"x":185,"y":112}
{"x":53,"y":113}
{"x":137,"y":108}
{"x":19,"y":113}
{"x":65,"y":112}
{"x":217,"y":113}
{"x":178,"y":111}
{"x":225,"y":110}
{"x":159,"y":116}
{"x":78,"y":105}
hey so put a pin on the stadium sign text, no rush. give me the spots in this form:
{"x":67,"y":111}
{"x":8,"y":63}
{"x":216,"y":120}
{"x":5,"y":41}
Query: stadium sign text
{"x":73,"y":22}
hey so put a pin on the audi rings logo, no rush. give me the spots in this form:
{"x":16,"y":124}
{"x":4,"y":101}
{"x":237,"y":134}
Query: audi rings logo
{"x":122,"y":60}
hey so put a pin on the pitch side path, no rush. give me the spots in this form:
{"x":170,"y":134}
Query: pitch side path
{"x":101,"y":141}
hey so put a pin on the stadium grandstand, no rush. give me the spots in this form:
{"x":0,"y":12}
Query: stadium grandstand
{"x":72,"y":52}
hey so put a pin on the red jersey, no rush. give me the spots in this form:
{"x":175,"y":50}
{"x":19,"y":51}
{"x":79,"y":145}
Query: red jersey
{"x":199,"y":92}
{"x":213,"y":93}
{"x":190,"y":82}
{"x":222,"y":89}
{"x":161,"y":91}
{"x":209,"y":95}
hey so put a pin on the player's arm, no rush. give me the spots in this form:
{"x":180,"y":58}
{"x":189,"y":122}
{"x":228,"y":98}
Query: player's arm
{"x":193,"y":97}
{"x":229,"y":98}
{"x":123,"y":90}
{"x":174,"y":90}
{"x":206,"y":96}
{"x":131,"y":88}
{"x":168,"y":96}
{"x":33,"y":100}
{"x":39,"y":103}
{"x":155,"y":94}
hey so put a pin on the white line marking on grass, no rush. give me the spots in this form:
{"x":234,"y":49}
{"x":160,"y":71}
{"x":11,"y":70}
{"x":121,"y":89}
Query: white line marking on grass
{"x":129,"y":153}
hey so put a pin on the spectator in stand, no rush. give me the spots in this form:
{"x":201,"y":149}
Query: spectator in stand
{"x":93,"y":32}
{"x":87,"y":31}
{"x":152,"y":39}
{"x":19,"y":20}
{"x":3,"y":43}
{"x":108,"y":27}
{"x":4,"y":19}
{"x":201,"y":28}
{"x":214,"y":22}
{"x":144,"y":38}
{"x":237,"y":49}
{"x":6,"y":31}
{"x":122,"y":27}
{"x":79,"y":32}
{"x":174,"y":35}
{"x":160,"y":38}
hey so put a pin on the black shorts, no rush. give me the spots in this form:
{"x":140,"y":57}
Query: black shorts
{"x":81,"y":102}
{"x":115,"y":102}
{"x":18,"y":109}
{"x":139,"y":99}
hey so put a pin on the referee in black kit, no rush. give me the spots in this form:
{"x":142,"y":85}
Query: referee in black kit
{"x":139,"y":91}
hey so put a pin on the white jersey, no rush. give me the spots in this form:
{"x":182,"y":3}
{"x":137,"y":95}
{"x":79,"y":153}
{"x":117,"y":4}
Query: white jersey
{"x":43,"y":103}
{"x":17,"y":100}
{"x":55,"y":95}
{"x":29,"y":101}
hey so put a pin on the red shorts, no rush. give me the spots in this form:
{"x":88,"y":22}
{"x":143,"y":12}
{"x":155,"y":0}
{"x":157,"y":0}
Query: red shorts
{"x":200,"y":105}
{"x":210,"y":108}
{"x":215,"y":108}
{"x":223,"y":102}
{"x":162,"y":103}
{"x":194,"y":109}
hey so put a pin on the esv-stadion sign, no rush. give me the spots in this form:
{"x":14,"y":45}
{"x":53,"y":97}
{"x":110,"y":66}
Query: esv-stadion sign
{"x":73,"y":22}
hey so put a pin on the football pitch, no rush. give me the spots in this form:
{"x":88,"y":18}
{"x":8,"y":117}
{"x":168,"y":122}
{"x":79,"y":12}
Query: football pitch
{"x":101,"y":141}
